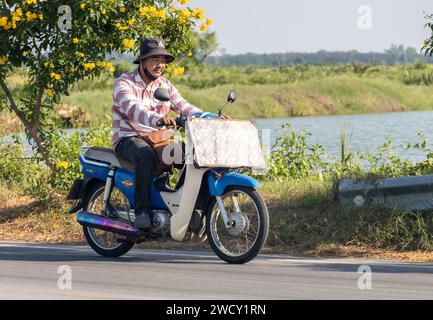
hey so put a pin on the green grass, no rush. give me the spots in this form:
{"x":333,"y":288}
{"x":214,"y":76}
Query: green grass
{"x":305,"y":216}
{"x":97,"y":103}
{"x":336,"y":94}
{"x":277,"y":92}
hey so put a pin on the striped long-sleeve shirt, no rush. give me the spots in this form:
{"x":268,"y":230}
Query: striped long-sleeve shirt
{"x":135,"y":100}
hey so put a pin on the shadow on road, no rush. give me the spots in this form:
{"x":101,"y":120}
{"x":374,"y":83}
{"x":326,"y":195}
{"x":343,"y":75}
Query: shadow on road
{"x":28,"y":253}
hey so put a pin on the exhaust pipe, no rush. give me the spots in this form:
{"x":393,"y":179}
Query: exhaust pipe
{"x":102,"y":223}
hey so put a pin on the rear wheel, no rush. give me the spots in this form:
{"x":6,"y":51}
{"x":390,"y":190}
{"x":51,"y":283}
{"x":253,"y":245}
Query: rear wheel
{"x":106,"y":243}
{"x":250,"y":225}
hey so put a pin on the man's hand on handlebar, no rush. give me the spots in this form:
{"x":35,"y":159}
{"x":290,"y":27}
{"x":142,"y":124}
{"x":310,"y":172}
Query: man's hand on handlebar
{"x":166,"y":121}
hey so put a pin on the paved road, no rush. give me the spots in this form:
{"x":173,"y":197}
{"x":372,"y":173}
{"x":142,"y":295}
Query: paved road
{"x":32,"y":271}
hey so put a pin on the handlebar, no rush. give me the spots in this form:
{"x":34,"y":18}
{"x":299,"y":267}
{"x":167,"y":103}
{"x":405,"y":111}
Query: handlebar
{"x":161,"y":125}
{"x":180,"y":121}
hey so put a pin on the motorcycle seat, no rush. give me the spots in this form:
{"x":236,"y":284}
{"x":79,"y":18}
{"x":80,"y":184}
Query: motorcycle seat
{"x":108,"y":156}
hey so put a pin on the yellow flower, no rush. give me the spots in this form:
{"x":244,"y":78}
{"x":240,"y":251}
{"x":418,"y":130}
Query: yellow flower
{"x":3,"y":59}
{"x":18,"y":12}
{"x":50,"y":93}
{"x":178,"y":71}
{"x":103,"y":11}
{"x":75,"y":40}
{"x":112,"y":69}
{"x":55,"y":76}
{"x":209,"y":21}
{"x":109,"y":65}
{"x":160,"y":14}
{"x":89,"y":66}
{"x":131,"y":22}
{"x":184,"y":14}
{"x":119,"y":26}
{"x":31,"y":16}
{"x":6,"y":25}
{"x":152,"y":11}
{"x":144,"y":10}
{"x":128,"y":43}
{"x":182,"y":2}
{"x":203,"y":27}
{"x":82,"y":6}
{"x":3,"y":22}
{"x":31,"y":1}
{"x":41,"y":16}
{"x":198,"y":13}
{"x":25,"y":53}
{"x":81,"y":54}
{"x":190,"y":54}
{"x":16,"y":16}
{"x":51,"y":65}
{"x":122,"y":9}
{"x":426,"y":42}
{"x":62,"y":164}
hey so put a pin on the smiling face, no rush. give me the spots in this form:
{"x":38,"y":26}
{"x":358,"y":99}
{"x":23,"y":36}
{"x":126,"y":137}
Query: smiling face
{"x":155,"y":65}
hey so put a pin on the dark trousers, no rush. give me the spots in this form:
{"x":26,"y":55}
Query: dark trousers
{"x":136,"y":151}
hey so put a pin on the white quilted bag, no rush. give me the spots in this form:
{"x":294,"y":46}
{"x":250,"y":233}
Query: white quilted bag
{"x":226,"y":143}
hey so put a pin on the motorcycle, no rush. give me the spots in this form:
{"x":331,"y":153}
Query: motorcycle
{"x":221,"y":204}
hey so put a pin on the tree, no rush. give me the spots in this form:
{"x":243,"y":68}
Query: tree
{"x":203,"y":45}
{"x":63,"y":41}
{"x":428,"y":43}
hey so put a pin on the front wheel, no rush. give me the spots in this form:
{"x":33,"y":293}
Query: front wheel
{"x":249,"y":217}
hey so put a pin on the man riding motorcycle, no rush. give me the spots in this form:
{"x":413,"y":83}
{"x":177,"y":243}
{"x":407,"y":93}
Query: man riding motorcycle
{"x":134,"y":106}
{"x":224,"y":204}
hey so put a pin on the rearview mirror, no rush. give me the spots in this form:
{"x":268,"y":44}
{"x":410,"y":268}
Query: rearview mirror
{"x":232,"y":96}
{"x":162,"y":94}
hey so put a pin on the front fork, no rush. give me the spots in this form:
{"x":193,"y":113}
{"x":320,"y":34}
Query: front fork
{"x":228,"y":222}
{"x":107,"y":191}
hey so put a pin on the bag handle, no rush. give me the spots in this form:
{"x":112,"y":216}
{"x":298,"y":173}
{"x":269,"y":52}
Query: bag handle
{"x":148,"y":136}
{"x":124,"y":118}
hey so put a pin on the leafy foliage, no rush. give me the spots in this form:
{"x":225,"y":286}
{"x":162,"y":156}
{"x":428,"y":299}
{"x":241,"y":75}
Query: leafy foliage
{"x":60,"y":49}
{"x":293,"y":157}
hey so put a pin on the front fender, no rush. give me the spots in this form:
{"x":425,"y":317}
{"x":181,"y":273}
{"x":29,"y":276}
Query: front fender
{"x":217,"y":187}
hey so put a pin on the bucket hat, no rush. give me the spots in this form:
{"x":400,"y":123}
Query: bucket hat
{"x":153,"y":47}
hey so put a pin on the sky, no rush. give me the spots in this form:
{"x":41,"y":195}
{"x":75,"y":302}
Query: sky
{"x":274,"y":26}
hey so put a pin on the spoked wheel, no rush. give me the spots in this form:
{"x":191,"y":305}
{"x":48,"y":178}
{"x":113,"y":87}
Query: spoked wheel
{"x":249,"y":218}
{"x":106,"y":243}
